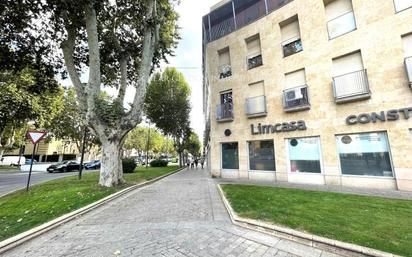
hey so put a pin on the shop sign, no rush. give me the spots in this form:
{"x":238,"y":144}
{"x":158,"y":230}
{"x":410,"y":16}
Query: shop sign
{"x":278,"y":128}
{"x":391,"y":115}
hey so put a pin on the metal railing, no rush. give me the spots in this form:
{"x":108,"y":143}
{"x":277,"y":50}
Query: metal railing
{"x":224,"y":112}
{"x":351,"y":85}
{"x":296,"y":98}
{"x":256,"y":105}
{"x":292,"y":46}
{"x":222,"y":29}
{"x":408,"y":67}
{"x":225,"y":71}
{"x":341,"y":25}
{"x":247,"y":14}
{"x":255,"y":10}
{"x":254,"y":61}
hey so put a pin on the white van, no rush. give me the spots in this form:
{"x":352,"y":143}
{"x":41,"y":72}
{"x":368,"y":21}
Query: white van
{"x":12,"y":160}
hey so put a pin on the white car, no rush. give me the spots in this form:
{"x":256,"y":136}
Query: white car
{"x":12,"y":161}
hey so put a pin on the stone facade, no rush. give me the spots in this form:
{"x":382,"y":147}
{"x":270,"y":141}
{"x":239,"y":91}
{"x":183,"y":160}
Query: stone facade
{"x":378,"y":36}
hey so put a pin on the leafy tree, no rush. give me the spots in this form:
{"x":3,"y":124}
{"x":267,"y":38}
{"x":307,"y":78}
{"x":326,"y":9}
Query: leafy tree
{"x":140,"y":140}
{"x":193,"y":145}
{"x":22,"y":101}
{"x":167,"y":104}
{"x":116,"y":42}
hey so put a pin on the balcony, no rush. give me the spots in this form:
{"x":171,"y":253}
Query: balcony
{"x":225,"y":71}
{"x":254,"y":61}
{"x":292,"y":46}
{"x":408,"y":67}
{"x":248,"y":11}
{"x":224,"y":112}
{"x":351,"y":87}
{"x":296,"y":99}
{"x":256,"y":106}
{"x":341,"y":25}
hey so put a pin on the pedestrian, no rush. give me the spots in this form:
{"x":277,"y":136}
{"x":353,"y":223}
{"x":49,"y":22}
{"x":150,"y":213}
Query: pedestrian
{"x":196,"y":162}
{"x":188,"y":163}
{"x":192,"y":165}
{"x":202,"y":162}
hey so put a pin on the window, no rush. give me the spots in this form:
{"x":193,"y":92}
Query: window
{"x":254,"y":55}
{"x":365,"y":154}
{"x":291,"y":42}
{"x":296,"y":93}
{"x":256,"y":101}
{"x":304,"y":155}
{"x":230,"y":156}
{"x":407,"y":47}
{"x":350,"y":78}
{"x":410,"y":132}
{"x":225,"y":109}
{"x":401,"y":5}
{"x":340,"y":16}
{"x":225,"y":69}
{"x":262,"y":155}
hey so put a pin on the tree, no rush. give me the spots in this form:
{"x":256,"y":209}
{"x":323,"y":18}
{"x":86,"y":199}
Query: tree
{"x":21,"y":101}
{"x":140,"y":139}
{"x":69,"y":124}
{"x":193,"y":145}
{"x":167,"y":104}
{"x":116,"y":42}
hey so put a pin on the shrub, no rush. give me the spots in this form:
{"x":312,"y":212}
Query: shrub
{"x":129,"y":165}
{"x":158,"y":163}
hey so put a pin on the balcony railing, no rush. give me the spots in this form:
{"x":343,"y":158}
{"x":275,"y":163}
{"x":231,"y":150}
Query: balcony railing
{"x":292,"y":46}
{"x":249,"y":11}
{"x":223,"y":28}
{"x":224,"y":112}
{"x":408,"y":67}
{"x":296,"y":99}
{"x":351,"y":86}
{"x":256,"y":106}
{"x":254,"y":61}
{"x":341,"y":25}
{"x":225,"y":71}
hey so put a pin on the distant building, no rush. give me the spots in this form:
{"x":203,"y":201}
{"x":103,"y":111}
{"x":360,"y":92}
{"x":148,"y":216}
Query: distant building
{"x":310,"y":91}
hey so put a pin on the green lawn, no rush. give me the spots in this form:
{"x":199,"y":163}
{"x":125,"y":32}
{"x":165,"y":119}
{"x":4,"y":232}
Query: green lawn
{"x":383,"y":224}
{"x":21,"y":211}
{"x":8,"y":168}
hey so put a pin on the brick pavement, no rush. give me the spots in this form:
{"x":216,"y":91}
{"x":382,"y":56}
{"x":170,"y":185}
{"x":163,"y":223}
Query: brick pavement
{"x":181,"y":215}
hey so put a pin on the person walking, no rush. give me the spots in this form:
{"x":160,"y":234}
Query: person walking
{"x":196,"y":162}
{"x":202,"y":162}
{"x":187,"y":162}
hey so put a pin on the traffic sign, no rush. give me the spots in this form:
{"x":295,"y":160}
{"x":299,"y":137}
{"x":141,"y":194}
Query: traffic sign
{"x":36,"y":136}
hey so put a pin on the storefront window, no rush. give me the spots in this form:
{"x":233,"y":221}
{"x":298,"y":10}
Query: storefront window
{"x":304,"y":155}
{"x":365,"y":154}
{"x":262,"y":155}
{"x":230,"y":156}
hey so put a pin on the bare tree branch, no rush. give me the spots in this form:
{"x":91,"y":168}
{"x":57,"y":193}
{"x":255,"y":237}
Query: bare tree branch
{"x":123,"y":78}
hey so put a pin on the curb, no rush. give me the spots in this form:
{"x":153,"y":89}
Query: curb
{"x":338,"y":247}
{"x":19,"y":239}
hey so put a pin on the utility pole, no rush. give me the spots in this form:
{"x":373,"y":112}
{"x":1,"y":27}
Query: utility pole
{"x":147,"y":147}
{"x":82,"y":155}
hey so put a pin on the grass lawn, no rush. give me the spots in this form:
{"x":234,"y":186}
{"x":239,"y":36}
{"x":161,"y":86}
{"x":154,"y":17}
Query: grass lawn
{"x":383,"y":224}
{"x":8,"y":168}
{"x":21,"y":211}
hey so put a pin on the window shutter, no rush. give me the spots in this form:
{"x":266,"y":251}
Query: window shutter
{"x":253,"y":46}
{"x":295,"y":79}
{"x":224,"y":57}
{"x":338,"y":8}
{"x":256,"y":89}
{"x":407,"y":45}
{"x":347,"y":64}
{"x":290,"y":32}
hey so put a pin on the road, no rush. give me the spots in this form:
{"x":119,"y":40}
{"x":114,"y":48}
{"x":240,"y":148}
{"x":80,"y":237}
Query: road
{"x":181,"y":215}
{"x":14,"y":180}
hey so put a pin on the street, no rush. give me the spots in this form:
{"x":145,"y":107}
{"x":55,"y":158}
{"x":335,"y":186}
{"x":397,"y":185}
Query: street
{"x":14,"y":180}
{"x":181,"y":215}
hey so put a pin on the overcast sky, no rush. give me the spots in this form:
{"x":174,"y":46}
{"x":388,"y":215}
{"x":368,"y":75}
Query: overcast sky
{"x":188,"y":59}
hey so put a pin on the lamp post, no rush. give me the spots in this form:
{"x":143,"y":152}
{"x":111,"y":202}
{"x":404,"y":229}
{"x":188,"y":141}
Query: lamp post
{"x":82,"y":154}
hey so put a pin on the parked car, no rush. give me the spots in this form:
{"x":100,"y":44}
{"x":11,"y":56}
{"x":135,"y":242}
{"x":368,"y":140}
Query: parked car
{"x":93,"y":165}
{"x":64,"y":166}
{"x":12,"y":160}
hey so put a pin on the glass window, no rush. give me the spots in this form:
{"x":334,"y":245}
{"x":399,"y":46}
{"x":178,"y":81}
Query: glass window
{"x":262,"y":155}
{"x":230,"y":156}
{"x":410,"y":132}
{"x":304,"y":155}
{"x":365,"y":154}
{"x":341,"y":18}
{"x":401,"y":5}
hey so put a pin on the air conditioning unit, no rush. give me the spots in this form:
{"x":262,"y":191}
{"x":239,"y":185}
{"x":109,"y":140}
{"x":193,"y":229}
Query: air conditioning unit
{"x":294,"y":94}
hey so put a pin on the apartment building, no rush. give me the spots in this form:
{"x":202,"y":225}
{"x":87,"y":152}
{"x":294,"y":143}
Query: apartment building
{"x":310,"y":91}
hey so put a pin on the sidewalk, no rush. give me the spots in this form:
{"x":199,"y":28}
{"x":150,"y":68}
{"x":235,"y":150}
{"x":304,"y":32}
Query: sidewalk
{"x":326,"y":188}
{"x":181,"y":215}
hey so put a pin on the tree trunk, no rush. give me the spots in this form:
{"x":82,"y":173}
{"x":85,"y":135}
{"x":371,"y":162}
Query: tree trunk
{"x":111,"y":171}
{"x":1,"y":154}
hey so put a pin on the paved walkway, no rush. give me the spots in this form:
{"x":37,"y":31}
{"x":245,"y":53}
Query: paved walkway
{"x":181,"y":215}
{"x":394,"y":194}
